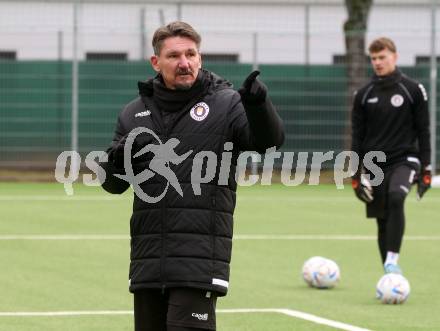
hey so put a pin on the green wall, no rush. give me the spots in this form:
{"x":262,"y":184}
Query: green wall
{"x":35,"y":103}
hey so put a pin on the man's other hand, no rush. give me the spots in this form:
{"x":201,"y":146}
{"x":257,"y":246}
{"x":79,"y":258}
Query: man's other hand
{"x":362,"y":188}
{"x":424,"y":181}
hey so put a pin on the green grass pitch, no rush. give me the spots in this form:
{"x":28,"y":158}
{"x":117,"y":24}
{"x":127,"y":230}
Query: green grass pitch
{"x":59,"y":273}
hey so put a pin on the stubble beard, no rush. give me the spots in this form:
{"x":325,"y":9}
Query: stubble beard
{"x":183,"y":86}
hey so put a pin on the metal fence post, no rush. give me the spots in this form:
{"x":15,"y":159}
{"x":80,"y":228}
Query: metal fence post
{"x":143,"y":36}
{"x":74,"y":133}
{"x":255,"y":50}
{"x":433,"y":89}
{"x":307,"y":34}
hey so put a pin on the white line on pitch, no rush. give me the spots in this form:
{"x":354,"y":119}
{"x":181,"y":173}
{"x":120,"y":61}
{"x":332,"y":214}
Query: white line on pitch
{"x":129,"y":197}
{"x":65,"y":237}
{"x":236,"y":237}
{"x":323,"y":237}
{"x":288,"y":312}
{"x":246,"y":199}
{"x":301,"y":315}
{"x":62,"y":198}
{"x":64,"y":313}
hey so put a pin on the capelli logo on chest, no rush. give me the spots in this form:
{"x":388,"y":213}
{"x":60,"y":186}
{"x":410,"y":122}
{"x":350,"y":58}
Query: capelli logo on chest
{"x":143,"y":113}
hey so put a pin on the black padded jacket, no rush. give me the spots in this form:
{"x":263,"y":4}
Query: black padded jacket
{"x":185,"y":238}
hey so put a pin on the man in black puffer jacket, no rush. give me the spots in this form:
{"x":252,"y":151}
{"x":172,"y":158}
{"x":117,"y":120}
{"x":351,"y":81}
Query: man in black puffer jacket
{"x":182,"y":162}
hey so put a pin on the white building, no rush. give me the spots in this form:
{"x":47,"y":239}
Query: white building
{"x":280,"y":31}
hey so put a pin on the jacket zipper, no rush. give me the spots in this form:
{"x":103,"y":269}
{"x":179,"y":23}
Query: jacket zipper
{"x":213,"y":211}
{"x":164,"y":215}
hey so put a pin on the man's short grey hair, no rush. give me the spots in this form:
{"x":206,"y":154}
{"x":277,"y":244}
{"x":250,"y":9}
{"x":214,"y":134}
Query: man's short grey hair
{"x":174,"y":29}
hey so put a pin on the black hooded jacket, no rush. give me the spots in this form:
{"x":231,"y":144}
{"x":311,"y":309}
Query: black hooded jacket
{"x":184,"y":239}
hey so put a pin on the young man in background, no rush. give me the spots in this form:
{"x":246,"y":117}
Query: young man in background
{"x":390,"y":114}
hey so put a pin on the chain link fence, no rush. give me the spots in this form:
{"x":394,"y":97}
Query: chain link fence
{"x":68,"y":68}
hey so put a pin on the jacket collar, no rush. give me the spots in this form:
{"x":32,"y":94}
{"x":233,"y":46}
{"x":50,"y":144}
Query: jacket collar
{"x":212,"y":82}
{"x":388,"y":80}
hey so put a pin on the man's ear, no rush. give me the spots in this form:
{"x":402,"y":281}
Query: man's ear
{"x":200,"y":60}
{"x":155,"y":63}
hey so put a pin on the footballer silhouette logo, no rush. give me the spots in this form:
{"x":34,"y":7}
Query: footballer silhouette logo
{"x":164,"y":155}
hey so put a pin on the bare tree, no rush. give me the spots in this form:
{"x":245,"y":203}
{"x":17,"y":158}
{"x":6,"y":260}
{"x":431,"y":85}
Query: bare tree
{"x":355,"y":29}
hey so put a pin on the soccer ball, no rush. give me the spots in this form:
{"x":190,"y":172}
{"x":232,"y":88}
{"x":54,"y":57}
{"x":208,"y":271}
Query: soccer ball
{"x":392,"y":289}
{"x":320,"y":272}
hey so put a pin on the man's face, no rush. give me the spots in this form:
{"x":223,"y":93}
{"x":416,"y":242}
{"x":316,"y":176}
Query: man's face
{"x":179,"y":62}
{"x":383,"y":62}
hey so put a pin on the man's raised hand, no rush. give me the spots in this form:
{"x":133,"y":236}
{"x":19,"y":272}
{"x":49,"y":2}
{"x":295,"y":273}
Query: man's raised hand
{"x":253,"y":92}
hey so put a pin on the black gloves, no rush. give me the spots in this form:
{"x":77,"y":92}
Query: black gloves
{"x":424,"y":181}
{"x":362,"y":188}
{"x":253,"y":92}
{"x":116,"y":153}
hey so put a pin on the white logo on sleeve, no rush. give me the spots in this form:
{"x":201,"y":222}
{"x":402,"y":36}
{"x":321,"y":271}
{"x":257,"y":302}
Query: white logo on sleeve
{"x":373,"y":100}
{"x":425,"y":95}
{"x":199,"y":112}
{"x":200,"y":317}
{"x":143,"y":113}
{"x":404,"y":188}
{"x":397,"y":100}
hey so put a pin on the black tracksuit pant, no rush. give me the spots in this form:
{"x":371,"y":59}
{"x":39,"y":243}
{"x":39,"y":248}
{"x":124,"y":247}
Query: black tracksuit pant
{"x":392,"y":227}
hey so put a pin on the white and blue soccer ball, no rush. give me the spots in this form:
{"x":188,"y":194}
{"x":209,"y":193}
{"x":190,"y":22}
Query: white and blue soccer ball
{"x":392,"y":289}
{"x":320,"y":272}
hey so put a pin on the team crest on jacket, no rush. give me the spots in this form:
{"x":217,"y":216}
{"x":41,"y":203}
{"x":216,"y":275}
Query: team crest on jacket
{"x":397,"y":100}
{"x":199,"y":111}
